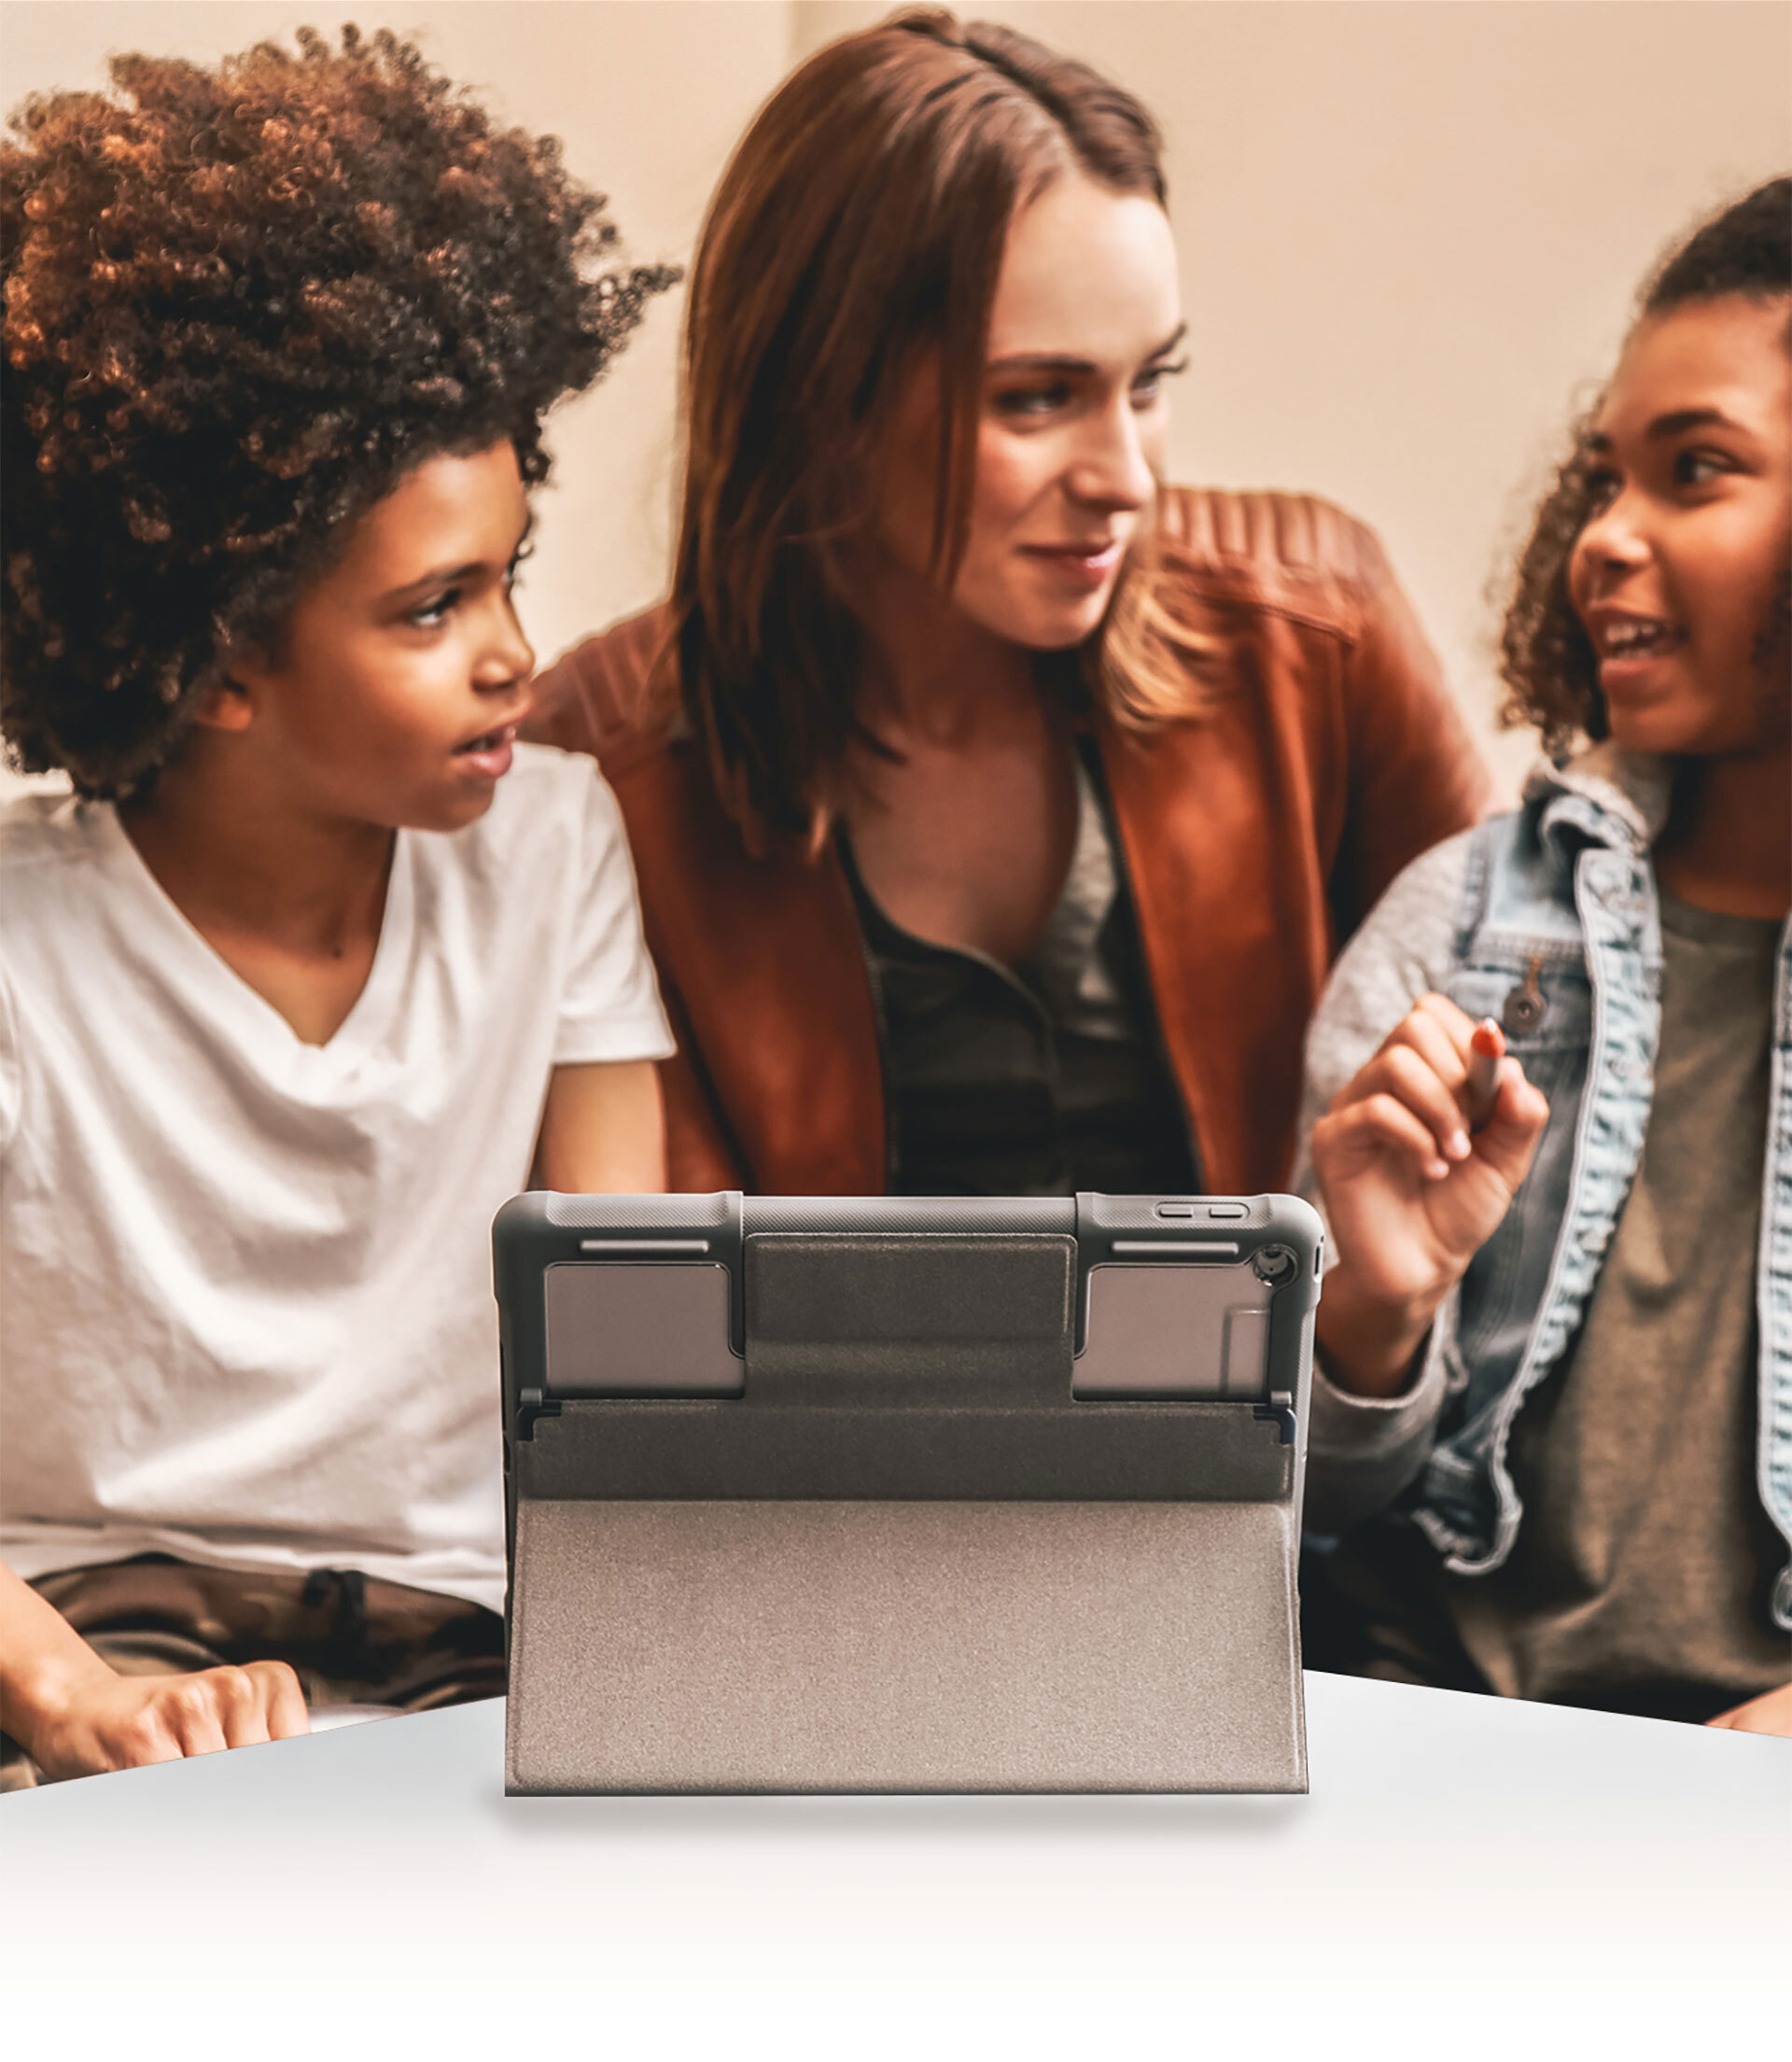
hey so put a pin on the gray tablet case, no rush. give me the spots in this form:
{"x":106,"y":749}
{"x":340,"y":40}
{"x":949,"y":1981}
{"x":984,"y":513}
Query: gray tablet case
{"x":897,"y":1493}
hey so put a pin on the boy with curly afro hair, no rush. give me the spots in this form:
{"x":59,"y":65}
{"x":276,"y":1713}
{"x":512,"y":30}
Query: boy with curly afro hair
{"x":316,"y":963}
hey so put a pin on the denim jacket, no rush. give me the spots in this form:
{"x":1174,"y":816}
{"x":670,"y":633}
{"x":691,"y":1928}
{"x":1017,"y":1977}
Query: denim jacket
{"x":1554,"y":933}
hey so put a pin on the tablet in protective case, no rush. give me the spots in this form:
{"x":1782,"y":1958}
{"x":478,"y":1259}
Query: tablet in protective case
{"x":903,"y":1494}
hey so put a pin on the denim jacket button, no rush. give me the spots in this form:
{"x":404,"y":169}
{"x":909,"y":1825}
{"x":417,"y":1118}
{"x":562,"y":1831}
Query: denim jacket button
{"x":1524,"y":1007}
{"x":1522,"y":1010}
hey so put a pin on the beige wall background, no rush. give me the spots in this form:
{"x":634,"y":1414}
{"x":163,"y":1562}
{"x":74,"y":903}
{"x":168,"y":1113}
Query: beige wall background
{"x":1409,"y":230}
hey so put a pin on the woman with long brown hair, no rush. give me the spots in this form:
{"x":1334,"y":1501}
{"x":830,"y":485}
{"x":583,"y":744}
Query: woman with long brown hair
{"x":997,"y":810}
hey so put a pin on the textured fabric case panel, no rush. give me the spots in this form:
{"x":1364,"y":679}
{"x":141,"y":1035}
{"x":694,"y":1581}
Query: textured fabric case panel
{"x":909,"y":1317}
{"x":811,"y":1289}
{"x":908,"y":1647}
{"x":723,"y":1449}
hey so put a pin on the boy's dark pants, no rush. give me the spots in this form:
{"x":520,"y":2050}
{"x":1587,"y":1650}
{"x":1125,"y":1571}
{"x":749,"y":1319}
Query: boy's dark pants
{"x":350,"y":1639}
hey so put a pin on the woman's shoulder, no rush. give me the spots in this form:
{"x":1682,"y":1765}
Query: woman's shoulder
{"x":613,"y":699}
{"x":606,"y":696}
{"x":1296,"y":552}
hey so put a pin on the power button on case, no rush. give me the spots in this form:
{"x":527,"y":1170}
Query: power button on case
{"x":1226,"y":1209}
{"x":1174,"y":1210}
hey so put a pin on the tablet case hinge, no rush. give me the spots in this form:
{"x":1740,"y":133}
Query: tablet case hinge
{"x":1281,"y":1407}
{"x":532,"y":1404}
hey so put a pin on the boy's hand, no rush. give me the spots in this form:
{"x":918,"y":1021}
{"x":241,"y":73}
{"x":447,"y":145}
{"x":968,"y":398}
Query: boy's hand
{"x":1768,"y":1713}
{"x":126,"y":1721}
{"x":1411,"y":1191}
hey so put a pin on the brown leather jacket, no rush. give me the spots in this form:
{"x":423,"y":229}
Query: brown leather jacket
{"x":1256,"y":838}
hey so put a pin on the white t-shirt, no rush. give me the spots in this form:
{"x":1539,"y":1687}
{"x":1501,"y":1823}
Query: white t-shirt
{"x":246,"y":1288}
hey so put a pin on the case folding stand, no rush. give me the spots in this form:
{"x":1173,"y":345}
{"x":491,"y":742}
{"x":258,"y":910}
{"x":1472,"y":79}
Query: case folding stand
{"x":904,"y":1495}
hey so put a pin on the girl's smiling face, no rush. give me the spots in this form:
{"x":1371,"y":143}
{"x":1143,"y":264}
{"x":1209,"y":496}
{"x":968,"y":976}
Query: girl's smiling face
{"x":1678,"y":575}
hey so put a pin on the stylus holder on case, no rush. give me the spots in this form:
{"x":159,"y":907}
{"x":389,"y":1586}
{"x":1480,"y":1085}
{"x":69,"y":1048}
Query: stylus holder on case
{"x":898,"y":1494}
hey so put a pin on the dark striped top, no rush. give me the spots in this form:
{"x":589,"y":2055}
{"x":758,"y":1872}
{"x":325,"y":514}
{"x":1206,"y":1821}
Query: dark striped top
{"x":1035,"y":1080}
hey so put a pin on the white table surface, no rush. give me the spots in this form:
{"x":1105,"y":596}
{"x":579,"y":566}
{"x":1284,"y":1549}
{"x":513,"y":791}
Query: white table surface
{"x":1467,"y":1877}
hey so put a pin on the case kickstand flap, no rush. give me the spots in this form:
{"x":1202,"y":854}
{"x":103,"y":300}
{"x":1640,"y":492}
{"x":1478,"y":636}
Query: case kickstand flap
{"x":902,"y":1494}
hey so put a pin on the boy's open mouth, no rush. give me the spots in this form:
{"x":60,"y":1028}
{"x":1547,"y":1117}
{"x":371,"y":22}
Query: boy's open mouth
{"x":488,"y":740}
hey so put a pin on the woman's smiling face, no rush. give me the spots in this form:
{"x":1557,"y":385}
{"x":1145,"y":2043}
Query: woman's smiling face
{"x":1679,"y":573}
{"x":1072,"y":422}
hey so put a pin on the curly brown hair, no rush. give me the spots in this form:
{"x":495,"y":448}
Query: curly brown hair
{"x":1546,"y":660}
{"x":240,"y":305}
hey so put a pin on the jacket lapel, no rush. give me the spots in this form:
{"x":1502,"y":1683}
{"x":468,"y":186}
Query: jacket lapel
{"x":771,"y":944}
{"x":1232,"y":922}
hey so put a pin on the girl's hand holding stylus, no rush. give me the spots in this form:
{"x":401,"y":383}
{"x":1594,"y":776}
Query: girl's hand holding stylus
{"x":1418,"y":1159}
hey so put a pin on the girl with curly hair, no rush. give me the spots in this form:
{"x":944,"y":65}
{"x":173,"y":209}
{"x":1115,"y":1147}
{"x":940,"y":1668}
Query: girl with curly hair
{"x":999,"y":808}
{"x":317,"y":959}
{"x":1554,"y":1401}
